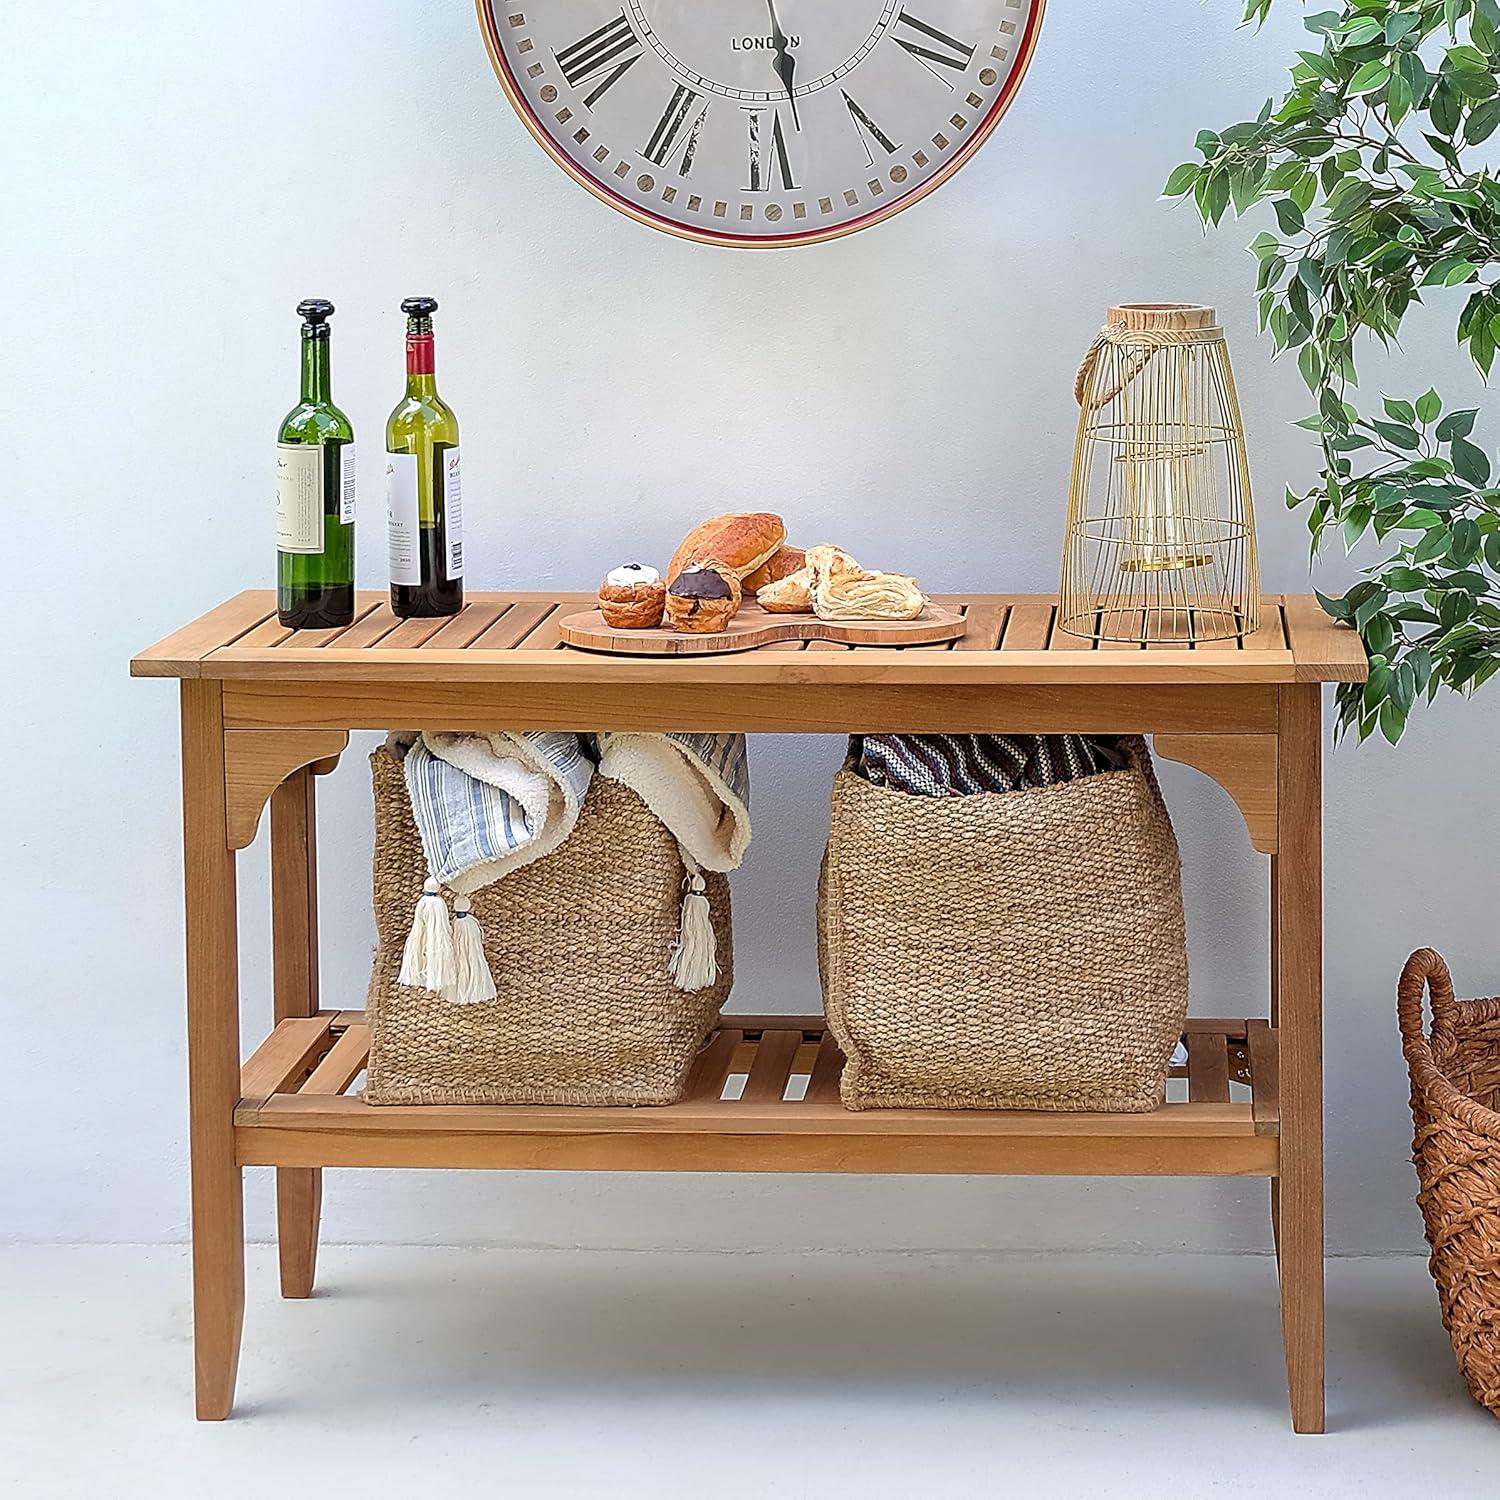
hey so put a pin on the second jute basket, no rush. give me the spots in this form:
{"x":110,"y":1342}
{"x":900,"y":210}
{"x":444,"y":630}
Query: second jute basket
{"x":578,"y":944}
{"x":1455,"y":1110}
{"x":1018,"y":950}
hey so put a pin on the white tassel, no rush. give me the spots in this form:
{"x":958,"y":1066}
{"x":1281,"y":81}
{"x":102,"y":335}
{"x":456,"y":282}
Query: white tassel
{"x":427,"y":959}
{"x":472,"y":980}
{"x":695,"y":959}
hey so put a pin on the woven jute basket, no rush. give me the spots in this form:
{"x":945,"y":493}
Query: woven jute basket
{"x":1018,"y":950}
{"x":1455,"y":1110}
{"x":578,"y":943}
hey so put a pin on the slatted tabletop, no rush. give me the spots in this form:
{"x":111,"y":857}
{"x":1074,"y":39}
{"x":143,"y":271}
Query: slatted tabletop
{"x":515,"y":637}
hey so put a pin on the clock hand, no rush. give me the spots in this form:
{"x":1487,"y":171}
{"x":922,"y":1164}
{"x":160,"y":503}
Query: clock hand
{"x":783,"y":61}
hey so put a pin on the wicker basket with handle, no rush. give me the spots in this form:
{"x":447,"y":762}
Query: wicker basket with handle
{"x":1455,"y":1108}
{"x":1016,"y":950}
{"x":579,"y":944}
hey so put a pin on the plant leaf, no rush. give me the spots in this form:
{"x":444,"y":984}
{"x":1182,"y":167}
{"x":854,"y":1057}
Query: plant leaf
{"x":1457,"y":424}
{"x":1470,"y":461}
{"x":1182,"y":179}
{"x":1370,"y":76}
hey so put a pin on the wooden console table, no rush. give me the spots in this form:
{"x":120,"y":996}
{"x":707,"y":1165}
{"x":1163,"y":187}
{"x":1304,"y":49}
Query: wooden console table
{"x":265,"y":711}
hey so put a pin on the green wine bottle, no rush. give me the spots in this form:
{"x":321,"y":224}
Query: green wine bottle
{"x":315,"y":494}
{"x":424,"y":502}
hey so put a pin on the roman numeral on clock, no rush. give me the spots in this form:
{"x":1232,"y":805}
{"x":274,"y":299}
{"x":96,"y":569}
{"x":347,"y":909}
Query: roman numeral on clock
{"x":768,"y":158}
{"x":929,"y":45}
{"x":674,"y":136}
{"x":606,"y":54}
{"x":865,"y":126}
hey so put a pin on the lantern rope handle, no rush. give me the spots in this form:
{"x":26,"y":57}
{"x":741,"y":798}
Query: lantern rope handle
{"x":1145,"y":341}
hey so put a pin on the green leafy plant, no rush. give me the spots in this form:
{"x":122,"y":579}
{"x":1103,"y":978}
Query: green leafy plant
{"x":1370,"y":167}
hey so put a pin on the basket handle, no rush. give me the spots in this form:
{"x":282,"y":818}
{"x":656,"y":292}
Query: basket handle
{"x":1425,"y":971}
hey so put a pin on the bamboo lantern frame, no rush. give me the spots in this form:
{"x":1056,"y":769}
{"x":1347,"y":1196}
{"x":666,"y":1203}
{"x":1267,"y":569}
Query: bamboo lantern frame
{"x":1160,"y":543}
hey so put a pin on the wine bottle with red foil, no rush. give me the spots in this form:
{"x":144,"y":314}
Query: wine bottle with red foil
{"x":315,"y":493}
{"x":423,"y":497}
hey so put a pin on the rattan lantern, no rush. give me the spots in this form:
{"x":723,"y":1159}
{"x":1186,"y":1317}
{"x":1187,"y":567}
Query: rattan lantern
{"x":1160,"y":543}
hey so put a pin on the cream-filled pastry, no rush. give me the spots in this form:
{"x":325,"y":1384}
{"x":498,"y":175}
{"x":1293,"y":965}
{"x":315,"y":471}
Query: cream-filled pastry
{"x":632,"y":597}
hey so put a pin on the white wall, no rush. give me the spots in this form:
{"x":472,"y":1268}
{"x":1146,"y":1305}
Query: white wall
{"x":180,"y":175}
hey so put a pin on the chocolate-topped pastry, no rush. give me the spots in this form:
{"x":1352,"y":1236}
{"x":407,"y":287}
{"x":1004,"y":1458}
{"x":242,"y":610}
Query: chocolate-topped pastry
{"x":632,"y":597}
{"x":705,"y":581}
{"x":703,"y":598}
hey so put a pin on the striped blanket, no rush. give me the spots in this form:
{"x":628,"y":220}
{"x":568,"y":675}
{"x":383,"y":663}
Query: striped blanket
{"x":961,"y":765}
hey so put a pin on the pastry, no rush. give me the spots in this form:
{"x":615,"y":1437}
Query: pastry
{"x":632,"y":597}
{"x":857,"y":595}
{"x":828,"y":562}
{"x":791,"y":595}
{"x":782,"y":563}
{"x":739,"y":543}
{"x":703,"y":598}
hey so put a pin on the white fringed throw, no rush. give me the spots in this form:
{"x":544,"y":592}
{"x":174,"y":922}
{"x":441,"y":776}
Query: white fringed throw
{"x":699,"y":786}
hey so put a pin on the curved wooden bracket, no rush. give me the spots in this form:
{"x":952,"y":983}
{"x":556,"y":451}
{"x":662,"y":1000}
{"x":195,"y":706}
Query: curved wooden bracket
{"x":1243,"y":764}
{"x":257,"y":761}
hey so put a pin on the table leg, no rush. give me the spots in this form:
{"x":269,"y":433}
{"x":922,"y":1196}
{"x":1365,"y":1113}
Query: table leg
{"x":1275,"y":1183}
{"x":294,"y":940}
{"x":213,"y":1025}
{"x":1297,"y":918}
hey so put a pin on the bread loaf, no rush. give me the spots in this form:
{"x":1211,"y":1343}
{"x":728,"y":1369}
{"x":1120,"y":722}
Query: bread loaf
{"x":782,"y":563}
{"x":739,"y":542}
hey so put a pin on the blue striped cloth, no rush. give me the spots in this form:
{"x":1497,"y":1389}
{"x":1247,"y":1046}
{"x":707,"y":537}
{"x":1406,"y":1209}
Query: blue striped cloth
{"x":488,"y":804}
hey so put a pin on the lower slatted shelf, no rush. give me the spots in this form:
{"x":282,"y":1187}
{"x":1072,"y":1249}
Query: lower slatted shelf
{"x":762,"y":1097}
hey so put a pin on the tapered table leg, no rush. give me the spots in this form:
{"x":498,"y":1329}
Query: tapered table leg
{"x":213,"y":1025}
{"x":294,"y":937}
{"x":1297,"y":917}
{"x":1275,"y":1183}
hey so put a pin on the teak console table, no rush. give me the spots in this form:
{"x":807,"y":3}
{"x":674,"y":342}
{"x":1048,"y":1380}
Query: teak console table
{"x":265,"y":711}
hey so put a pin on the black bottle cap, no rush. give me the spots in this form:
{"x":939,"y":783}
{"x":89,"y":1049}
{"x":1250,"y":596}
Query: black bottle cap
{"x":418,"y":307}
{"x":315,"y":313}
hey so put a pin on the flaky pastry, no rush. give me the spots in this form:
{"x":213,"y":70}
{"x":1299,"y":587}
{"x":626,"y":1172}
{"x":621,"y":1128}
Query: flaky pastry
{"x":867,"y":596}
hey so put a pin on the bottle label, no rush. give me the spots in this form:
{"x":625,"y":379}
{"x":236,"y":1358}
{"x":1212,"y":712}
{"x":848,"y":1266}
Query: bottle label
{"x":403,"y":519}
{"x":346,"y":484}
{"x":453,"y":515}
{"x":299,"y":497}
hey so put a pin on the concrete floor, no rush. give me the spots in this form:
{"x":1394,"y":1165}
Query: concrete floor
{"x":432,"y":1373}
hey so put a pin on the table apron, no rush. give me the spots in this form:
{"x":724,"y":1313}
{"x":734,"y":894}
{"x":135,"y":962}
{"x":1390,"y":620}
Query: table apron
{"x":783,"y":708}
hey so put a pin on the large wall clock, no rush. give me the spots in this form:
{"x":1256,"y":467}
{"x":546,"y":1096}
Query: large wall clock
{"x":760,"y":122}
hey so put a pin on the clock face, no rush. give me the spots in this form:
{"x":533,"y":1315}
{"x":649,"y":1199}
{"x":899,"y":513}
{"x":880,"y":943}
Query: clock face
{"x":760,"y":122}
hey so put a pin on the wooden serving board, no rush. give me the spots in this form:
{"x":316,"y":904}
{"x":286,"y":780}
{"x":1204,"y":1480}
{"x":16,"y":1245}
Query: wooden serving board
{"x":754,"y":626}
